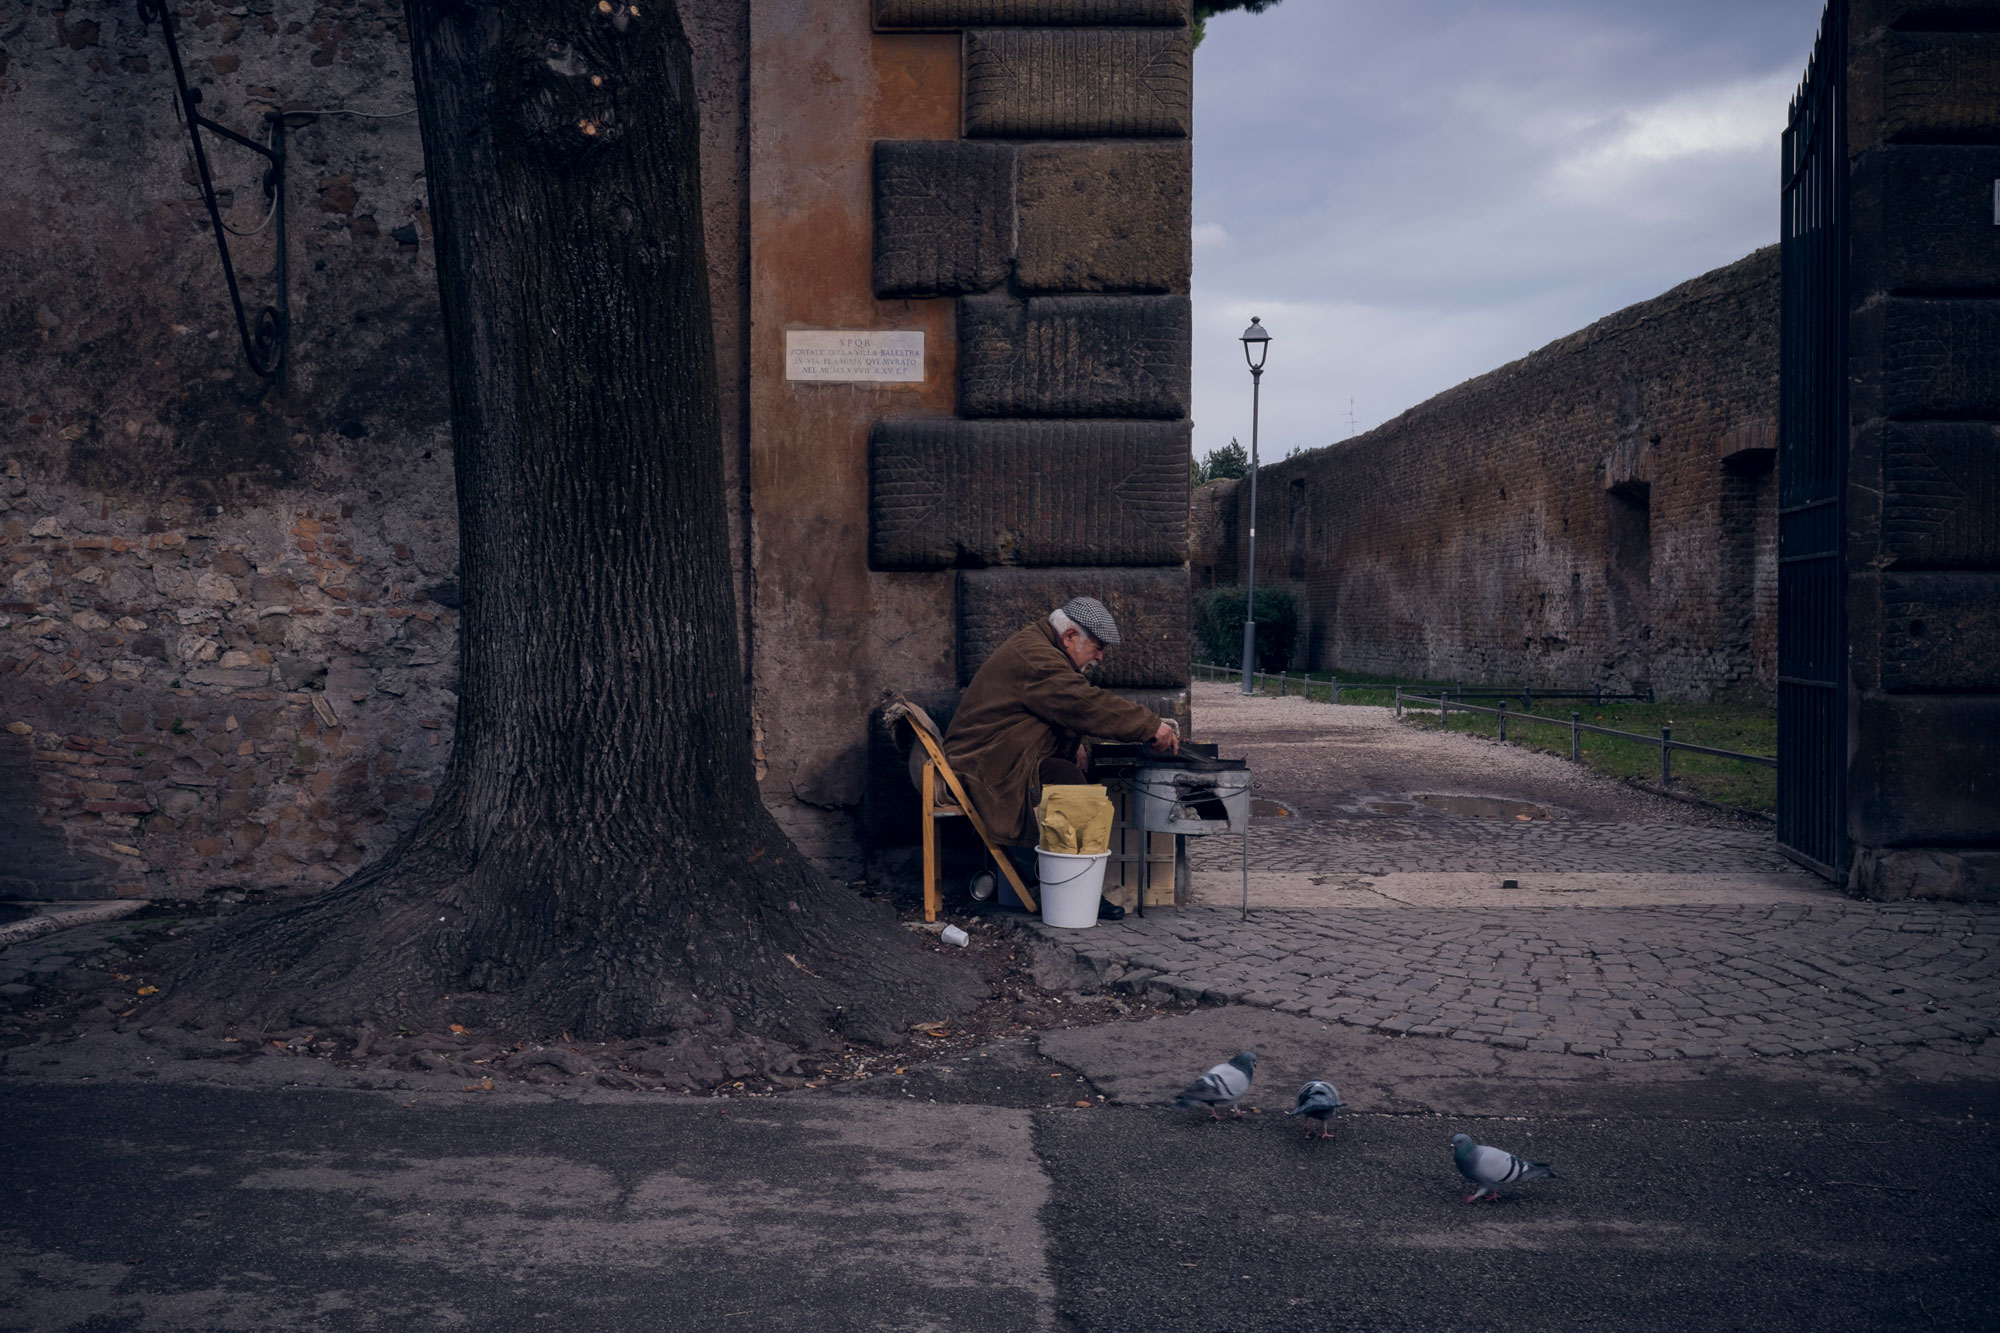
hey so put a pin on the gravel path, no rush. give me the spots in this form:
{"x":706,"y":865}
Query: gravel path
{"x":1349,"y":775}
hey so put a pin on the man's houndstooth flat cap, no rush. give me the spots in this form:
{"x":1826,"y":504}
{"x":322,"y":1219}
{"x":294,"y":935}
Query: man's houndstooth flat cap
{"x":1091,"y":617}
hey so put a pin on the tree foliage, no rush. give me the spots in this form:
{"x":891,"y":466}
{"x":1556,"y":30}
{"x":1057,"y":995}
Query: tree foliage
{"x":1218,"y":625}
{"x":1231,"y":460}
{"x":1204,"y":10}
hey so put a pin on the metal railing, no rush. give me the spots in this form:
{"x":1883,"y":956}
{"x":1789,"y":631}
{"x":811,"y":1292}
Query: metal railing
{"x":1527,"y":694}
{"x":1445,"y":701}
{"x":1577,"y":726}
{"x":1282,"y":679}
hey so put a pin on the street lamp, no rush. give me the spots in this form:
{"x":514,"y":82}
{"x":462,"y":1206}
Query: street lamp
{"x":1256,"y":343}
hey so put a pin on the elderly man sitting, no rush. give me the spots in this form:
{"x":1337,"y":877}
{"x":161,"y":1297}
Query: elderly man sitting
{"x":1023,"y":721}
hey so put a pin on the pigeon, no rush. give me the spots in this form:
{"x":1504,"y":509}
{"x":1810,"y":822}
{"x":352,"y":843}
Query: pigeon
{"x":1318,"y":1100}
{"x":1221,"y":1087}
{"x":1490,"y":1168}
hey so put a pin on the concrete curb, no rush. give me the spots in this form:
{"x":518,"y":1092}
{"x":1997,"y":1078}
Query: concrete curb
{"x":61,"y":918}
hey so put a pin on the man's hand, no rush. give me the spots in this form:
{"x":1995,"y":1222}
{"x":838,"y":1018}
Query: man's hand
{"x":1167,"y":738}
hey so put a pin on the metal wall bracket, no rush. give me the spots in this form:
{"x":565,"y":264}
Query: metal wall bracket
{"x":266,"y":339}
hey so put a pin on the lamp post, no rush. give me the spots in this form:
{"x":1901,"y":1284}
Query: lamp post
{"x":1256,"y":343}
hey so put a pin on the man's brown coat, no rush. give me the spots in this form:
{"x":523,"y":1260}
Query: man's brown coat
{"x":1027,"y":703}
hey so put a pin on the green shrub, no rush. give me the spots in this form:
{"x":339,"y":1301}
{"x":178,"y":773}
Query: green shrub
{"x":1218,"y":626}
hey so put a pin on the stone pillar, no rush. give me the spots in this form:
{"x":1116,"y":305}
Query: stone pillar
{"x":1923,"y":495}
{"x":1008,"y":180}
{"x":1058,"y":220}
{"x":1055,"y":217}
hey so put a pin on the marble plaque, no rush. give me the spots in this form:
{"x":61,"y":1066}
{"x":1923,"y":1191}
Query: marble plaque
{"x":855,"y":356}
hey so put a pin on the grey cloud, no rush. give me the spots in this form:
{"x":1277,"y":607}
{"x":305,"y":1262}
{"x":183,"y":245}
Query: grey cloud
{"x":1429,"y":189}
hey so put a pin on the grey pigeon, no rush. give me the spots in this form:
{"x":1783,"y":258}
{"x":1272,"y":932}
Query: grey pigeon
{"x":1490,"y":1168}
{"x":1221,"y":1087}
{"x":1318,"y":1100}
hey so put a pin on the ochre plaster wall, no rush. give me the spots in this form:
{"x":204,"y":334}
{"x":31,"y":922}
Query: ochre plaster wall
{"x":829,"y":635}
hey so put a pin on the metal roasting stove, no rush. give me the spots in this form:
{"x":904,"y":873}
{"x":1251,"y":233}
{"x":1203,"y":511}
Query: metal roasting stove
{"x":1194,"y":793}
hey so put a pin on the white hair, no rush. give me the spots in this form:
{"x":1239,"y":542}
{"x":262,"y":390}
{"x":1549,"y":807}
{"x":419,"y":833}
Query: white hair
{"x":1060,"y":622}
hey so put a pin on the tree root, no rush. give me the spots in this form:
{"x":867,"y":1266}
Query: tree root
{"x":547,"y":947}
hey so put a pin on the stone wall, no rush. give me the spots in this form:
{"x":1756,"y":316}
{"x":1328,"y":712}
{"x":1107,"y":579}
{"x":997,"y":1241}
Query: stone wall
{"x":227,"y":629}
{"x":1601,"y":510}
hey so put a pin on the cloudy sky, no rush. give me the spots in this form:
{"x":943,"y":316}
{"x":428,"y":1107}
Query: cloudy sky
{"x":1413,"y":192}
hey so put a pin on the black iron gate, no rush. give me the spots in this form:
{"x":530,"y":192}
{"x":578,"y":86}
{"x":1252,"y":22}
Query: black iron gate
{"x":1812,"y":464}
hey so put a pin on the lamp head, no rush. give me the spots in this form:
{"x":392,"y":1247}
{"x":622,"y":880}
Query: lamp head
{"x":1256,"y":343}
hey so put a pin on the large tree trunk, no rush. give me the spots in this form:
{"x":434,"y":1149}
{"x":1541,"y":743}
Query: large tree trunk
{"x":598,"y":859}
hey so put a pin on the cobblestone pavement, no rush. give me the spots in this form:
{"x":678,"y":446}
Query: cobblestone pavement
{"x":1625,"y":982}
{"x":1433,"y":840}
{"x":1622,"y":982}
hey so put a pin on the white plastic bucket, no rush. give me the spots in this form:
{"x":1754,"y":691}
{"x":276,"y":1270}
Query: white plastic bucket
{"x":1071,"y":888}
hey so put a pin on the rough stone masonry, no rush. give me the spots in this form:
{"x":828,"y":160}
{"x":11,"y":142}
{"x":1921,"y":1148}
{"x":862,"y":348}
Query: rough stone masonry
{"x":228,"y":629}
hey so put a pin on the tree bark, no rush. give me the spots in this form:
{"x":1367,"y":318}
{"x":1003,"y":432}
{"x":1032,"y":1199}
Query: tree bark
{"x":598,"y":859}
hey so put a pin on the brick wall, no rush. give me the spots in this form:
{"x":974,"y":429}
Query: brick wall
{"x":1602,"y":509}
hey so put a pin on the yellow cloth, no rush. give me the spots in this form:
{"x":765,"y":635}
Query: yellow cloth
{"x":1075,"y":819}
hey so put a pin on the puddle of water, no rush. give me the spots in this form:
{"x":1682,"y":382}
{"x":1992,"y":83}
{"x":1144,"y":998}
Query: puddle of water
{"x":1264,"y":808}
{"x":1391,"y":807}
{"x":1483,"y":807}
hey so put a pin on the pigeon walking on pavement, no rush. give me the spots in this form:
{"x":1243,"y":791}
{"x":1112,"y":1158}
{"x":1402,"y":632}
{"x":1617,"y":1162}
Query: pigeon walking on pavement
{"x":1490,"y":1168}
{"x":1221,"y":1087}
{"x":1318,"y":1100}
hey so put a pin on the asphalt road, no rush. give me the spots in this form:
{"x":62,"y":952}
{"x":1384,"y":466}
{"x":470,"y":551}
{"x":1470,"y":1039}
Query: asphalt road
{"x":1668,"y":1225}
{"x":189,"y":1207}
{"x":975,"y":1195}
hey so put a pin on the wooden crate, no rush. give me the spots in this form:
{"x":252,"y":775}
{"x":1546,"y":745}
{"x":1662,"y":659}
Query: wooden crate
{"x":1167,"y":882}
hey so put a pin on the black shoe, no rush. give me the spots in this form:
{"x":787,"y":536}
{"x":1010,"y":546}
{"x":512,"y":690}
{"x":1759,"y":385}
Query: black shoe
{"x":1109,"y":911}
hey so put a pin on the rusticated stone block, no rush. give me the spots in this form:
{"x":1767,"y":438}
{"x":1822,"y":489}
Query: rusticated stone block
{"x":1105,"y":217}
{"x":1937,"y":358}
{"x":1922,"y":770}
{"x":1074,"y":356}
{"x":1940,"y":632}
{"x":1081,"y":83}
{"x":1150,"y":606}
{"x":1925,"y":85}
{"x":944,"y":216}
{"x":1923,"y":219}
{"x":946,"y":492}
{"x":1951,"y":873}
{"x":947,"y":14}
{"x":1941,"y":493}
